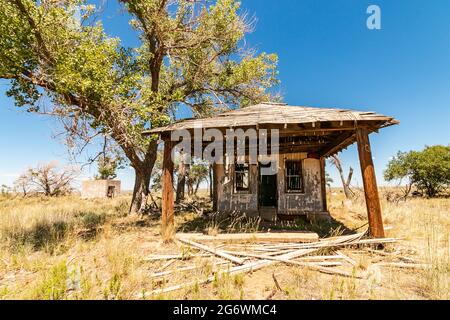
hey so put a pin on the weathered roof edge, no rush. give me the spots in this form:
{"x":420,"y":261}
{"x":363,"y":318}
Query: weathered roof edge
{"x":266,"y":113}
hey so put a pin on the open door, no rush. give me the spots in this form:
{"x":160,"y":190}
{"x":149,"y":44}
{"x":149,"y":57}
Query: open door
{"x":268,"y":195}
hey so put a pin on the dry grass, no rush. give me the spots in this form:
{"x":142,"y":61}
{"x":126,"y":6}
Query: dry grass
{"x":68,"y":248}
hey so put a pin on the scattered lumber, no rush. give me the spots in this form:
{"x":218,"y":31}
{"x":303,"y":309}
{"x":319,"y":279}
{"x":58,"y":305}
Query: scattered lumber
{"x":165,"y":273}
{"x":167,"y":264}
{"x":278,"y":237}
{"x":331,"y":245}
{"x":295,"y":249}
{"x":217,"y":252}
{"x":346,"y":258}
{"x":313,"y":258}
{"x":189,"y":268}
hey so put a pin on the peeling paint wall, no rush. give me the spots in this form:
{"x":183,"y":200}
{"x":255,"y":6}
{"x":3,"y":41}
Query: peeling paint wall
{"x":231,"y":201}
{"x":310,"y":201}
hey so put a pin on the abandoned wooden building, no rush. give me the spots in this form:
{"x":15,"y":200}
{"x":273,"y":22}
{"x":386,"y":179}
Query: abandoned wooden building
{"x":307,"y":136}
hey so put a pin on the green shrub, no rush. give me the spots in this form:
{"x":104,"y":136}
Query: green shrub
{"x":92,"y":220}
{"x":54,"y":284}
{"x":41,"y":234}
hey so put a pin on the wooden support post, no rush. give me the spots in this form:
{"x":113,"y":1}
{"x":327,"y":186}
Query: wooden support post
{"x":323,"y":183}
{"x":167,"y":218}
{"x":218,"y":173}
{"x":370,"y":184}
{"x":215,"y":186}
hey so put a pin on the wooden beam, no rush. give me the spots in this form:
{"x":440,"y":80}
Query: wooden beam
{"x":167,"y":217}
{"x":376,"y":229}
{"x":214,"y":251}
{"x":338,"y":144}
{"x":323,"y":184}
{"x":252,"y":237}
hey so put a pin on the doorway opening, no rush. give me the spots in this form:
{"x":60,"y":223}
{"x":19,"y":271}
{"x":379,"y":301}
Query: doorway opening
{"x":267,"y":188}
{"x":111,"y":192}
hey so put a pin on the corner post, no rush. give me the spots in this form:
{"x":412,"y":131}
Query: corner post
{"x":218,"y":172}
{"x":376,"y":229}
{"x":323,"y":184}
{"x":167,"y":217}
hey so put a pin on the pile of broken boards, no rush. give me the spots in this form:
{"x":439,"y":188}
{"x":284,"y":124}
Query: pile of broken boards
{"x":241,"y":253}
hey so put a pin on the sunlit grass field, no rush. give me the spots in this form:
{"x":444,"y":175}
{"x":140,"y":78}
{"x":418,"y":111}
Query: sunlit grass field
{"x":69,"y":248}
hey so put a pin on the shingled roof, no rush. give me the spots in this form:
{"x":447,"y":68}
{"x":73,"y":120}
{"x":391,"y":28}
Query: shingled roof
{"x":282,"y":114}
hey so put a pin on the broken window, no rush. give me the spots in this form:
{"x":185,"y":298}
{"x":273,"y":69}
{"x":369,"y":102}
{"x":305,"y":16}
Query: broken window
{"x":241,"y":177}
{"x":293,"y":176}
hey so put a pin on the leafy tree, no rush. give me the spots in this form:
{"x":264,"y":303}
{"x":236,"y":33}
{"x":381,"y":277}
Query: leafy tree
{"x":4,"y":190}
{"x":191,"y":54}
{"x":108,"y":162}
{"x":198,"y":172}
{"x":107,"y":168}
{"x":428,"y":170}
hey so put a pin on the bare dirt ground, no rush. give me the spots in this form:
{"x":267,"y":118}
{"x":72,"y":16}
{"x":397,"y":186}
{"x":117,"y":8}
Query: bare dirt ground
{"x":68,"y":248}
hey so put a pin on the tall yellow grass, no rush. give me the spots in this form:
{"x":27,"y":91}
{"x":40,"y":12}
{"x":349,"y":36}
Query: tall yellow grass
{"x":68,"y":248}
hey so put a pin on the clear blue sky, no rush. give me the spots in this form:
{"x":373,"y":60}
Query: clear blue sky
{"x":327,"y":58}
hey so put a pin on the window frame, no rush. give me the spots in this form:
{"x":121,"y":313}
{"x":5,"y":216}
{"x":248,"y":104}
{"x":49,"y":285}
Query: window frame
{"x":301,"y":175}
{"x":235,"y":188}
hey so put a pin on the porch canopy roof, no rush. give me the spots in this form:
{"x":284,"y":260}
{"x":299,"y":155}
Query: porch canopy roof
{"x":325,"y":131}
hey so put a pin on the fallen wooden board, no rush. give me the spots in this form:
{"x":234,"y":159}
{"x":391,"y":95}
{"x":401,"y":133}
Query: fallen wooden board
{"x":253,"y":237}
{"x":323,"y":262}
{"x":167,"y":264}
{"x":347,"y":258}
{"x":214,"y":251}
{"x":176,"y":256}
{"x":165,"y":273}
{"x":337,"y":244}
{"x":321,"y":258}
{"x":321,"y":243}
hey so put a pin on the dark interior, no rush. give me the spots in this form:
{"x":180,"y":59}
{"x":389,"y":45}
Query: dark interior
{"x":267,"y":189}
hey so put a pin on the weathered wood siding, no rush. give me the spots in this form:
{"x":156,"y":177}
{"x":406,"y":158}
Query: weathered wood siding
{"x":244,"y":202}
{"x":308,"y":202}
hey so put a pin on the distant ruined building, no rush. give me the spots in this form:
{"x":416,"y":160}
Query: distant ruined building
{"x":92,"y":189}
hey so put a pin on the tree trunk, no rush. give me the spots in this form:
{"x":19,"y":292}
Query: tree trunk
{"x":143,"y":173}
{"x":141,"y":189}
{"x":167,"y":210}
{"x":181,"y":181}
{"x":197,"y":185}
{"x":189,"y":182}
{"x":211,"y":187}
{"x":345,"y":184}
